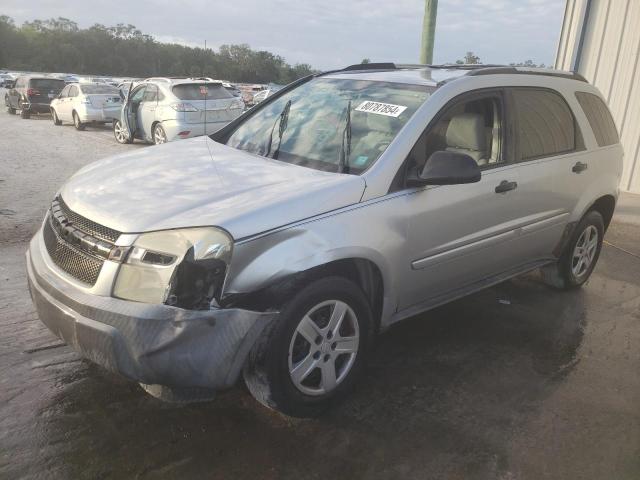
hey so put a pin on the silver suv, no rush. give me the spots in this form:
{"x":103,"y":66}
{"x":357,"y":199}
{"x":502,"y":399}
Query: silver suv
{"x":278,"y":248}
{"x":160,"y":110}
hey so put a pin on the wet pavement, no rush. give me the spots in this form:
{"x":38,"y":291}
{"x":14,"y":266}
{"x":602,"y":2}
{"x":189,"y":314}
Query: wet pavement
{"x":516,"y":382}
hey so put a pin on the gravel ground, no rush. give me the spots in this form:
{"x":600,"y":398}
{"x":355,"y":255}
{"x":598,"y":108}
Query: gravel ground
{"x":516,"y":382}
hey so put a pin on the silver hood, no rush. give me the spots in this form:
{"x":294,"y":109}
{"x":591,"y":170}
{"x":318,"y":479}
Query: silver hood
{"x":200,"y":182}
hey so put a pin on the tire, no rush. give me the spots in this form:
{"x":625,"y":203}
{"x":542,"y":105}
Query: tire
{"x":582,"y":252}
{"x":77,"y":123}
{"x":10,"y":109}
{"x":26,"y":114}
{"x":119,"y":132}
{"x":159,"y":135}
{"x":54,"y":116}
{"x":271,"y":366}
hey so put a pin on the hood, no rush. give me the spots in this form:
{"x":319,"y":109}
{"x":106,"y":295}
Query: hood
{"x":200,"y":182}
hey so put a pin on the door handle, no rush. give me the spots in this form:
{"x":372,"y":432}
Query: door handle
{"x":579,"y":167}
{"x":506,"y":186}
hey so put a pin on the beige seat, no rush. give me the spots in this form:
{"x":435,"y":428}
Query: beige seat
{"x":466,"y":134}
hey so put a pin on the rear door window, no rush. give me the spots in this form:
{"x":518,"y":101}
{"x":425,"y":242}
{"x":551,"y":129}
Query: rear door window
{"x":150,"y":94}
{"x":97,"y":89}
{"x":602,"y":124}
{"x":200,"y":91}
{"x":545,"y":124}
{"x":73,"y":91}
{"x":47,"y":84}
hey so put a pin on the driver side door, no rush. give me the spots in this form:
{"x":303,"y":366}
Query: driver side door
{"x":459,"y":235}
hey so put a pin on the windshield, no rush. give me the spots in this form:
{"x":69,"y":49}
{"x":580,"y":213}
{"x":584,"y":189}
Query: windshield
{"x":319,"y":130}
{"x":200,"y":91}
{"x":99,"y":89}
{"x":46,"y":83}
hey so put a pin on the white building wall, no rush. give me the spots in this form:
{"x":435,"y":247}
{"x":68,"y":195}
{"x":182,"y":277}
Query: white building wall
{"x":608,"y":58}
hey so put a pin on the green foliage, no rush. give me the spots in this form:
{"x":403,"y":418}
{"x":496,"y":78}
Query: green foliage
{"x":469,"y":59}
{"x":59,"y":45}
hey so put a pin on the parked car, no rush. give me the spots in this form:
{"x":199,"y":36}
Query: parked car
{"x":32,"y":94}
{"x":162,"y":110}
{"x":232,"y":89}
{"x":260,"y":96}
{"x":83,"y":103}
{"x":6,"y":80}
{"x":277,"y":248}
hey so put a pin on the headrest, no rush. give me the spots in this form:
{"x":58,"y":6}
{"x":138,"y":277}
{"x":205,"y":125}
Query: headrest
{"x":467,"y":131}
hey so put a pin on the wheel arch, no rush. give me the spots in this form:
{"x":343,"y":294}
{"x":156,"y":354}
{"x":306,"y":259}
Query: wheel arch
{"x":365,"y":273}
{"x":605,"y":206}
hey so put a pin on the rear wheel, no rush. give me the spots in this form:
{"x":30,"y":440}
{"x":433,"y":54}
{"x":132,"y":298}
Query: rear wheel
{"x":77,"y":123}
{"x":582,"y":253}
{"x":159,"y":135}
{"x":54,"y":116}
{"x":310,"y":357}
{"x":120,"y":132}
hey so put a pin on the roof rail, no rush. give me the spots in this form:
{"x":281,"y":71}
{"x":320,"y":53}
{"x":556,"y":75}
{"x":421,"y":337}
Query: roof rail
{"x":502,"y":70}
{"x":370,"y":66}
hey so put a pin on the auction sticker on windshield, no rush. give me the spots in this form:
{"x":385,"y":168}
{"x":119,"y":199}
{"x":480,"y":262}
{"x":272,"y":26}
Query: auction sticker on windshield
{"x":387,"y":109}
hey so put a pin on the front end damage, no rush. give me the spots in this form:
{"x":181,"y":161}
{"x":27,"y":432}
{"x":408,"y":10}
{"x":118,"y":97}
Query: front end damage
{"x":172,"y":351}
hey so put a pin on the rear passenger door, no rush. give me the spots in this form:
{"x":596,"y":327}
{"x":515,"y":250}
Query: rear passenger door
{"x":551,"y":156}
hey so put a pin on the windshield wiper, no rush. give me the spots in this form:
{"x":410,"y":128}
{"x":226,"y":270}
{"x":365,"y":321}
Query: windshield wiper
{"x":282,"y":126}
{"x":345,"y":150}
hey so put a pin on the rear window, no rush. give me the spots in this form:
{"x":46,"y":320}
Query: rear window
{"x":546,"y":125}
{"x":99,"y":89}
{"x":47,"y":83}
{"x":200,"y":91}
{"x":602,"y":124}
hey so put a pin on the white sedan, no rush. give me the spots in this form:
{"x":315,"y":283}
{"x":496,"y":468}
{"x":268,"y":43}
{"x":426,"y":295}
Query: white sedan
{"x":83,"y":103}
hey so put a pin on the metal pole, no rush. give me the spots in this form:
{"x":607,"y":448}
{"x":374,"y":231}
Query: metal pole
{"x":428,"y":31}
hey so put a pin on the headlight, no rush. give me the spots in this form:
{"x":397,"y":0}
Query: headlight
{"x":185,"y":268}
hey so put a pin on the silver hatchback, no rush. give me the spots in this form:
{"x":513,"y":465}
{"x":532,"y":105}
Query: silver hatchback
{"x":278,"y":247}
{"x":160,"y":110}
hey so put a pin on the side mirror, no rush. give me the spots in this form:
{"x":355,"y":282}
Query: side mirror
{"x":446,"y":168}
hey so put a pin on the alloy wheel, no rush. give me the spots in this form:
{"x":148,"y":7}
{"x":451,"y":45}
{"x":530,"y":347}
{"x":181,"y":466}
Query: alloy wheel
{"x":119,"y":132}
{"x":585,"y":251}
{"x":159,"y":136}
{"x":323,"y":347}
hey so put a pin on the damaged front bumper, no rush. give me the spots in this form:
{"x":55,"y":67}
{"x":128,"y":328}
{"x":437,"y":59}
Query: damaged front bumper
{"x":156,"y":345}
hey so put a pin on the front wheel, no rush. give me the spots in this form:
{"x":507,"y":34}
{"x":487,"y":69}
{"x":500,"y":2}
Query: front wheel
{"x":54,"y":116}
{"x":26,"y":114}
{"x":310,"y":357}
{"x":120,"y":132}
{"x":582,"y":253}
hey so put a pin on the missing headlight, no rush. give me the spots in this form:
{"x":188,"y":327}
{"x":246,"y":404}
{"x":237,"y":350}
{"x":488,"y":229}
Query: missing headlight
{"x":196,"y":282}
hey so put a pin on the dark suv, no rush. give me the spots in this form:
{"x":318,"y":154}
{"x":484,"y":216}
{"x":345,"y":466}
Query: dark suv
{"x":32,"y":94}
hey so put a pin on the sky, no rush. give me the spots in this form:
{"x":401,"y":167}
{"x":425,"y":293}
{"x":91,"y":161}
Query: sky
{"x":331,"y":33}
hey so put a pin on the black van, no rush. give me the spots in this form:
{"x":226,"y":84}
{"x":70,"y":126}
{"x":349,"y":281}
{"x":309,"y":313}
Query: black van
{"x":31,"y":94}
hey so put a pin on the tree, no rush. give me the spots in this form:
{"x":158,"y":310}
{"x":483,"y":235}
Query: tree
{"x":527,"y":63}
{"x":365,"y":61}
{"x":59,"y":45}
{"x":469,"y":59}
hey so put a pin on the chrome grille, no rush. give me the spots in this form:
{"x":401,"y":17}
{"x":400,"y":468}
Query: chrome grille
{"x":76,"y":263}
{"x":84,"y":224}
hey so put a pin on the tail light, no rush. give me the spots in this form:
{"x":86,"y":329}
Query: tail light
{"x":32,"y":91}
